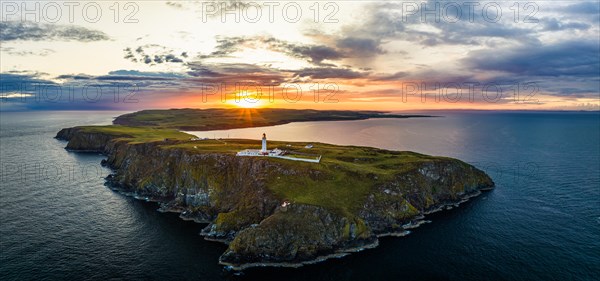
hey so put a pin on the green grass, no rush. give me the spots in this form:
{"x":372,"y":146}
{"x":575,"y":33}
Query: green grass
{"x":138,"y":134}
{"x":340,"y":182}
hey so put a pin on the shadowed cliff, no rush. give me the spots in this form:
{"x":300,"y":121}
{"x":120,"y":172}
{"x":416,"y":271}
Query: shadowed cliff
{"x":338,"y":206}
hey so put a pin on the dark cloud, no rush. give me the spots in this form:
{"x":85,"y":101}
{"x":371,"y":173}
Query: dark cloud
{"x":160,"y":54}
{"x":361,"y":47}
{"x":75,"y":76}
{"x":130,"y":78}
{"x":199,"y":70}
{"x":469,"y":33}
{"x":568,"y":68}
{"x":22,"y":82}
{"x":571,"y":58}
{"x":391,"y":77}
{"x":314,"y":54}
{"x":172,"y":58}
{"x":23,"y":90}
{"x":338,"y":49}
{"x":226,"y":46}
{"x":31,"y":31}
{"x":231,"y":73}
{"x":135,"y":75}
{"x":330,"y":72}
{"x":129,"y":55}
{"x":382,"y":22}
{"x":147,"y":74}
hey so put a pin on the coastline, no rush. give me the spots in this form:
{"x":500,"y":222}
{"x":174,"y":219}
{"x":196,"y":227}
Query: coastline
{"x":414,"y":223}
{"x":140,"y":160}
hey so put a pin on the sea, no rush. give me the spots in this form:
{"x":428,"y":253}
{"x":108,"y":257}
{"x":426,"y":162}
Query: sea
{"x":58,"y":221}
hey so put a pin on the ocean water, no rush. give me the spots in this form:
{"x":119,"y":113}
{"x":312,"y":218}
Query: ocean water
{"x":542,"y":222}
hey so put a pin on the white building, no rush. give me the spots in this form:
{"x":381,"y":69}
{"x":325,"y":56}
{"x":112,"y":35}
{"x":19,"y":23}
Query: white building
{"x":277,"y":153}
{"x":262,"y":152}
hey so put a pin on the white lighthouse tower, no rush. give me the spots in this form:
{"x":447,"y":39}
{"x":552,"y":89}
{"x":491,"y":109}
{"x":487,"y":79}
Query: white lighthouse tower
{"x":264,"y":143}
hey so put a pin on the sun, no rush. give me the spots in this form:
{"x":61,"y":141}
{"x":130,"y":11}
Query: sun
{"x":246,"y":104}
{"x":247,"y":100}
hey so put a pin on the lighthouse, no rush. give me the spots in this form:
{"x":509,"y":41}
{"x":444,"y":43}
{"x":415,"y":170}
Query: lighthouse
{"x":276,"y":152}
{"x":264,"y":143}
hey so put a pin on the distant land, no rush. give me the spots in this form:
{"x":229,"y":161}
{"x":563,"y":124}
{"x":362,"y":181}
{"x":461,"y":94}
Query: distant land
{"x":270,"y":211}
{"x":221,"y":118}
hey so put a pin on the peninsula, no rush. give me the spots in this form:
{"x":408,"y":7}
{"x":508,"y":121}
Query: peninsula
{"x":221,"y":119}
{"x":273,"y":211}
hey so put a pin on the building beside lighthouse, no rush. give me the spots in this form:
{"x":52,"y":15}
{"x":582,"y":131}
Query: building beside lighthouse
{"x":278,"y":153}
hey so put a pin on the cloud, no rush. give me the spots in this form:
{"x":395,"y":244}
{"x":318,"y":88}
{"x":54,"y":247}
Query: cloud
{"x":172,"y":58}
{"x":80,"y":76}
{"x":313,"y":53}
{"x":119,"y":89}
{"x":316,"y":54}
{"x":553,"y":24}
{"x":226,"y":46}
{"x":583,"y":8}
{"x":146,"y":74}
{"x":31,"y":31}
{"x":231,"y":73}
{"x":391,"y":77}
{"x":382,"y":22}
{"x":17,"y":81}
{"x":379,"y":20}
{"x":360,"y":46}
{"x":578,"y":58}
{"x":330,"y":72}
{"x":12,"y":51}
{"x":153,"y":54}
{"x":174,"y":4}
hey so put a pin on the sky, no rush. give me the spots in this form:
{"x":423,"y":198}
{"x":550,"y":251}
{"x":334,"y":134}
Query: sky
{"x":376,"y":55}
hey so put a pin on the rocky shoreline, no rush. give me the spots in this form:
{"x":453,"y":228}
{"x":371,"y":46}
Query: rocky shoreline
{"x":339,"y":254}
{"x":243,"y":212}
{"x":186,"y":215}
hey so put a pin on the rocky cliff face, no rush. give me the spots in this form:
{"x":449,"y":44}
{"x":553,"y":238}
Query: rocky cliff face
{"x":80,"y":140}
{"x":232,"y":195}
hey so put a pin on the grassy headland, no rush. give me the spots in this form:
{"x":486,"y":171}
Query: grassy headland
{"x":338,"y":205}
{"x":137,"y":134}
{"x":221,"y":119}
{"x":340,"y":183}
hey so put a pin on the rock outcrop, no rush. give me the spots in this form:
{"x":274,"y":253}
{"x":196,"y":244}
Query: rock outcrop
{"x":234,"y":196}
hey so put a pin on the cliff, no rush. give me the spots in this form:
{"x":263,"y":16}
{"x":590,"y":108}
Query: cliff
{"x":338,"y":206}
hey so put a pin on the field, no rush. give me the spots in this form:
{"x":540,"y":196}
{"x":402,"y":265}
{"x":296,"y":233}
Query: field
{"x":138,"y":134}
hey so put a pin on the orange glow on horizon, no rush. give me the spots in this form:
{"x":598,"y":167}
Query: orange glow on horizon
{"x":363,"y":99}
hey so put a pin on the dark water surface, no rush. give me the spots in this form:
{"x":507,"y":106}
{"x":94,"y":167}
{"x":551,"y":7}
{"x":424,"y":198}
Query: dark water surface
{"x":58,"y":221}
